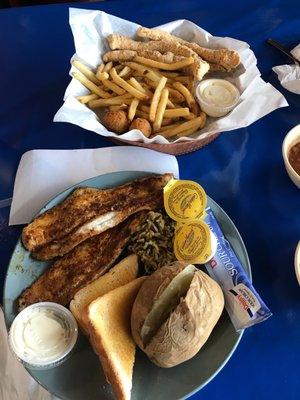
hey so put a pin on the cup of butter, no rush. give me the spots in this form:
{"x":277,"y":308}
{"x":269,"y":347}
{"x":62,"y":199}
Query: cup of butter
{"x":185,"y":202}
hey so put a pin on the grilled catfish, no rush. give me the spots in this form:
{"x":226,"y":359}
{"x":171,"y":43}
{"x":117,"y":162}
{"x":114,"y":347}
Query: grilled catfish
{"x":88,"y":212}
{"x":81,"y":266}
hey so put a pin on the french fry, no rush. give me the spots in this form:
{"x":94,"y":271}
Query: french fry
{"x":102,"y":76}
{"x":177,"y":112}
{"x":125,"y":71}
{"x":113,"y":87}
{"x":197,"y":123}
{"x":85,"y":99}
{"x":86,"y":71}
{"x":154,"y":76}
{"x":100,"y":68}
{"x":169,"y":67}
{"x":188,"y":132}
{"x":142,"y":114}
{"x":118,"y":100}
{"x":125,"y":85}
{"x":118,"y":107}
{"x":145,"y":108}
{"x":169,"y":74}
{"x":185,"y":92}
{"x":161,"y":109}
{"x":182,"y":79}
{"x":155,"y":98}
{"x":91,"y":86}
{"x":167,"y":127}
{"x":133,"y":82}
{"x":172,"y":92}
{"x":108,"y":67}
{"x":195,"y":109}
{"x":167,"y":121}
{"x":190,"y":116}
{"x":136,"y":67}
{"x":118,"y":68}
{"x":176,"y":95}
{"x":170,"y":104}
{"x":132,"y":108}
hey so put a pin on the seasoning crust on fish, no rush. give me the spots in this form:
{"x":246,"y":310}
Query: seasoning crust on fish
{"x":81,"y":266}
{"x":87,"y":204}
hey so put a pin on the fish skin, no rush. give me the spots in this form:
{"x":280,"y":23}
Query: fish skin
{"x":89,"y":260}
{"x":85,"y":204}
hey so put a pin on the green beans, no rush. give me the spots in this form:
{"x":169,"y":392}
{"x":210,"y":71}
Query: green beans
{"x":153,"y":241}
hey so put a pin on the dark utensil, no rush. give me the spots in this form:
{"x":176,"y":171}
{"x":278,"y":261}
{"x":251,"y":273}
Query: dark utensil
{"x":283,"y":49}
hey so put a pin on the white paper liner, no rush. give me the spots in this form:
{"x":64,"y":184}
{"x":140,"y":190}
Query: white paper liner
{"x":90,"y":29}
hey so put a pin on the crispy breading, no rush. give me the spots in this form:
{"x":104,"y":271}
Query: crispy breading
{"x":129,"y":55}
{"x":119,"y":55}
{"x":226,"y":58}
{"x":216,"y":68}
{"x":198,"y":69}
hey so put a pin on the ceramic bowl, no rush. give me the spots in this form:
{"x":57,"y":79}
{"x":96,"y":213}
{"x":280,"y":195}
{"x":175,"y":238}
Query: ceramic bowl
{"x":291,"y":138}
{"x":297,"y":262}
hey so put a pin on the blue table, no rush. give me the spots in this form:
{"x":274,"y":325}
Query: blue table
{"x":242,"y":170}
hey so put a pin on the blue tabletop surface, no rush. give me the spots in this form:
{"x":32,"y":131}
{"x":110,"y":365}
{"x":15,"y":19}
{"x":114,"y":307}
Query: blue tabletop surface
{"x":242,"y":170}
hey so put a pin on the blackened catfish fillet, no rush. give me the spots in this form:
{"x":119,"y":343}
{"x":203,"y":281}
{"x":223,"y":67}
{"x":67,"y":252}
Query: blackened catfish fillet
{"x":95,"y":226}
{"x":87,"y":204}
{"x":81,"y":266}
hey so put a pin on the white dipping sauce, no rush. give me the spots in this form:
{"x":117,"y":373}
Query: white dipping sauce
{"x":217,"y":96}
{"x":40,"y":336}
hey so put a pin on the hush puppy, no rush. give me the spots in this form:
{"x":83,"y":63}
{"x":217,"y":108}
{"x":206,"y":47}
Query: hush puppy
{"x":143,"y":125}
{"x":116,"y":121}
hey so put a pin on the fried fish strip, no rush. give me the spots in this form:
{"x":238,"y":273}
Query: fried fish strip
{"x":226,"y":58}
{"x":198,"y":69}
{"x":85,"y":204}
{"x":85,"y":263}
{"x":129,"y":55}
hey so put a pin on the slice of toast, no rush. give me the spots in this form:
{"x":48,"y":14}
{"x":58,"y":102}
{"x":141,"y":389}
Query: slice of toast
{"x":123,"y":272}
{"x":110,"y":335}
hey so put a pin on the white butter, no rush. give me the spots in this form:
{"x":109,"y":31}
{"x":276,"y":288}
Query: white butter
{"x":217,"y":96}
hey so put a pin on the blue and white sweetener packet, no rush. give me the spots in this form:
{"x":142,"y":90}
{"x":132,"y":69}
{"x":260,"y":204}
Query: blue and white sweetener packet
{"x":242,"y":302}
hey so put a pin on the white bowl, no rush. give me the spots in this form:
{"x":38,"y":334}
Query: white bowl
{"x":291,"y":138}
{"x":297,"y":262}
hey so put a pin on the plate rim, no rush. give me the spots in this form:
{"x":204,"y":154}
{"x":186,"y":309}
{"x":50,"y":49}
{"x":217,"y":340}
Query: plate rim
{"x":141,"y":173}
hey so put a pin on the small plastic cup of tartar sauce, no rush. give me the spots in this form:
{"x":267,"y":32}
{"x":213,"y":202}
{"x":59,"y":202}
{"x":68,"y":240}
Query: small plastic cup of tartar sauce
{"x":43,"y":335}
{"x":217,"y":97}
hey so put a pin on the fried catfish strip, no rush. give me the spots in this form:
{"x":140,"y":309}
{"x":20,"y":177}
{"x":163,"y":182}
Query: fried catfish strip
{"x":85,"y":204}
{"x":129,"y":55}
{"x":226,"y":58}
{"x":81,"y":266}
{"x":198,"y":69}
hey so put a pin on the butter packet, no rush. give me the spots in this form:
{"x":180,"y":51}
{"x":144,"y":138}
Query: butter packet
{"x":243,"y":304}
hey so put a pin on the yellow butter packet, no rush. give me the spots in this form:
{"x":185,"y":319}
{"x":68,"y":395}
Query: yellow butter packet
{"x":184,"y":200}
{"x":192,"y":242}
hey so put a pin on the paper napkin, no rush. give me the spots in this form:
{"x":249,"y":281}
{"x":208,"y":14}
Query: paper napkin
{"x":42,"y":174}
{"x":289,"y":75}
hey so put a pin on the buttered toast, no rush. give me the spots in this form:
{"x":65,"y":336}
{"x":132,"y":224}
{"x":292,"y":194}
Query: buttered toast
{"x":110,"y":335}
{"x":123,"y":272}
